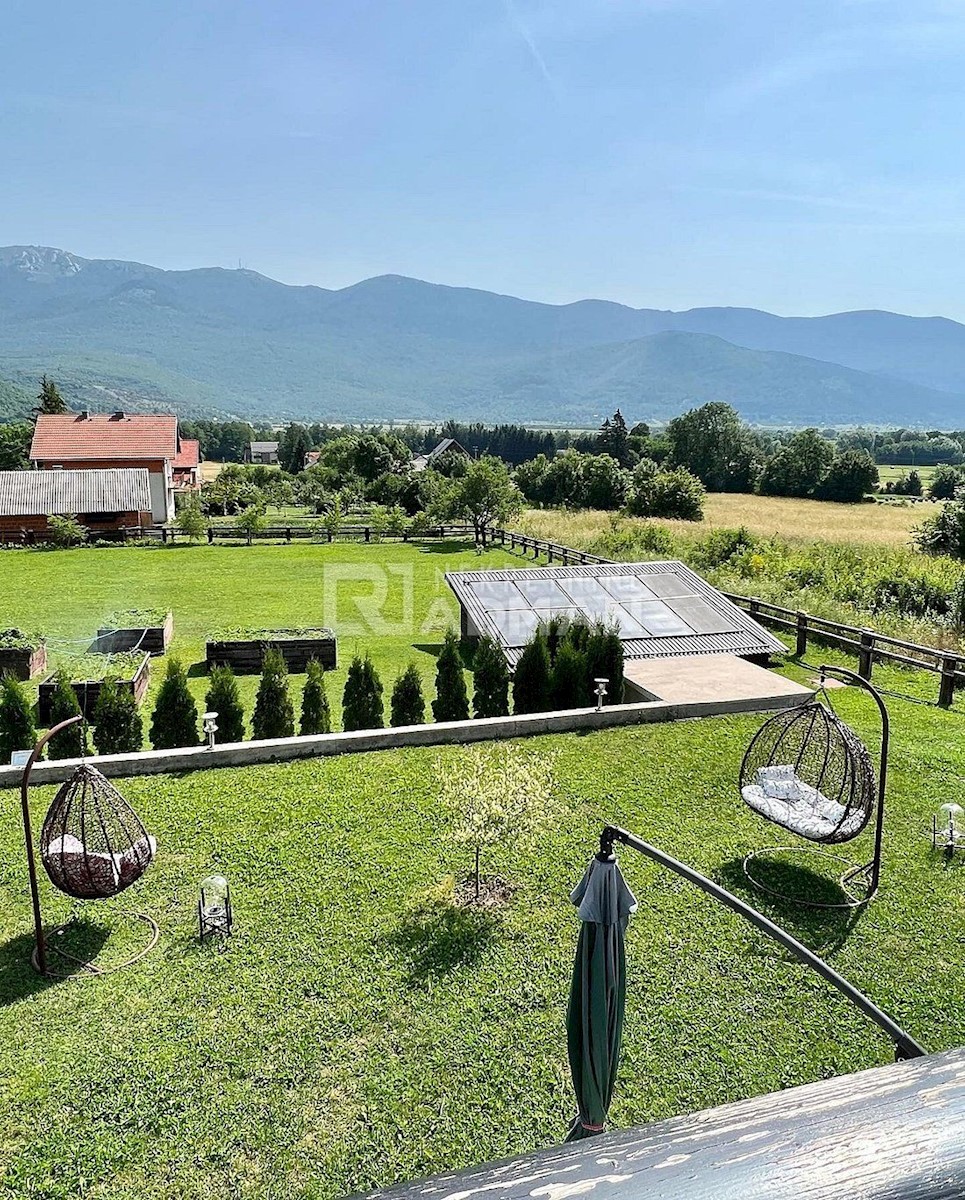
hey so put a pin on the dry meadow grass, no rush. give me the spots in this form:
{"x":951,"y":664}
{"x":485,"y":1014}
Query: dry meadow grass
{"x":801,"y":520}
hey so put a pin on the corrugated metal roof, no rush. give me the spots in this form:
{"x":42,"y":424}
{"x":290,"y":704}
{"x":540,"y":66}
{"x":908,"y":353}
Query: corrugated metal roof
{"x":63,"y":437}
{"x":57,"y":493}
{"x":743,"y":636}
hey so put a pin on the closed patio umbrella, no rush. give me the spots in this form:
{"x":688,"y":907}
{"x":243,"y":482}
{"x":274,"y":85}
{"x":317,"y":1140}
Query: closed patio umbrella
{"x":594,"y":1015}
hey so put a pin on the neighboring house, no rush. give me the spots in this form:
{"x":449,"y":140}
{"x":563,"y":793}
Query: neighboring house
{"x":263,"y":452}
{"x":186,"y":468}
{"x":105,"y":500}
{"x":92,"y":441}
{"x":446,"y":446}
{"x":311,"y":458}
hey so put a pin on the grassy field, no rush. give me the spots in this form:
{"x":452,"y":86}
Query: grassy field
{"x":389,"y":599}
{"x":800,"y":520}
{"x":891,"y":474}
{"x":358,"y":1029}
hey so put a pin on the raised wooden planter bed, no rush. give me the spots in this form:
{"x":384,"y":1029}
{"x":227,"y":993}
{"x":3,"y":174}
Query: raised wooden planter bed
{"x":20,"y":658}
{"x":88,"y":690}
{"x":124,"y":632}
{"x":245,"y":655}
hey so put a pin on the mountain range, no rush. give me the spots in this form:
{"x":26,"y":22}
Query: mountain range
{"x":214,"y":342}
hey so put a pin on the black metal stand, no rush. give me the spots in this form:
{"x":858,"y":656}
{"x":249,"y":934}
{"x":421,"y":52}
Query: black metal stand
{"x":870,"y":871}
{"x":905,"y":1046}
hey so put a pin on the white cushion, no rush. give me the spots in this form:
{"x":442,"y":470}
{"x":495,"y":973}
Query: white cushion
{"x":811,"y":815}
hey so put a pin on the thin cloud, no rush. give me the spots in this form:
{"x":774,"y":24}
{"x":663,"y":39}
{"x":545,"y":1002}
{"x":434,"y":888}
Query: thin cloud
{"x":522,"y":30}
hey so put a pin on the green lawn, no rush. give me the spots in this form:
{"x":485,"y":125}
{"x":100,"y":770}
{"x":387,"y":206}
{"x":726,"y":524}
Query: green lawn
{"x":351,"y":1034}
{"x":390,"y":599}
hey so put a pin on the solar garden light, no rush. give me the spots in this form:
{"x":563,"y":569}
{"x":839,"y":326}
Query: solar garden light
{"x":601,"y":686}
{"x":209,"y":723}
{"x":214,"y":907}
{"x":948,"y":828}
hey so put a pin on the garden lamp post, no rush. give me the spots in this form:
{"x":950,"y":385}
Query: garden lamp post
{"x":209,"y":723}
{"x":214,"y":907}
{"x":601,"y":686}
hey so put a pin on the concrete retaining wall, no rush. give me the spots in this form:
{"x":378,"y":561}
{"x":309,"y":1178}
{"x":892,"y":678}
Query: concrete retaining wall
{"x":239,"y":754}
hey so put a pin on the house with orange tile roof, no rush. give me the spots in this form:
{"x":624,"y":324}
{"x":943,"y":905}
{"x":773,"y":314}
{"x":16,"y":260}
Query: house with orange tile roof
{"x":187,"y":466}
{"x":93,"y":441}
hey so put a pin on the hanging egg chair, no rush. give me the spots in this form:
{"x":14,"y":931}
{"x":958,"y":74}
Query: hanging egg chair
{"x":92,"y":844}
{"x":809,"y":772}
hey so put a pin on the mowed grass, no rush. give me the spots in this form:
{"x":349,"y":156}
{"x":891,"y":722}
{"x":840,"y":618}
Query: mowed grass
{"x":767,"y":516}
{"x":357,"y":1030}
{"x":888,"y":474}
{"x":389,"y":599}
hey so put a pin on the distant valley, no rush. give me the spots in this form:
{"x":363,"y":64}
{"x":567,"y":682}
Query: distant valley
{"x":216,"y":342}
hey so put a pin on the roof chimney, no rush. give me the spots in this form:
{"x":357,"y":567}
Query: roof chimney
{"x":85,"y":415}
{"x":118,"y":416}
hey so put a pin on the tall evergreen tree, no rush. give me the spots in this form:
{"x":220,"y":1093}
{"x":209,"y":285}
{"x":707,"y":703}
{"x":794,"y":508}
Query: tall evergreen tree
{"x":117,"y":723}
{"x":362,"y":697}
{"x":49,"y":399}
{"x":490,"y":680}
{"x":17,"y":728}
{"x":174,"y":721}
{"x":531,"y":682}
{"x":274,"y":716}
{"x":614,"y":438}
{"x":568,"y":680}
{"x":72,"y":741}
{"x":604,"y":660}
{"x":408,"y":703}
{"x":452,"y":701}
{"x":224,"y":699}
{"x":316,"y":716}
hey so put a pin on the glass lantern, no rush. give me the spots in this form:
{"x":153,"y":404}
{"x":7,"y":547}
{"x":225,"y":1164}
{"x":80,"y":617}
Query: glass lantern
{"x":948,"y":828}
{"x":214,"y":907}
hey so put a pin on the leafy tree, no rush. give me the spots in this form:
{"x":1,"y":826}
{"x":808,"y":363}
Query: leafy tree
{"x":851,"y":476}
{"x":799,"y":467}
{"x":490,"y":680}
{"x":604,"y":660}
{"x":190,"y":520}
{"x":452,"y":701}
{"x":362,"y":697}
{"x":614,"y":438}
{"x":501,"y":795}
{"x":252,"y":521}
{"x":333,"y":519}
{"x":484,"y":496}
{"x":531,"y":681}
{"x":568,"y":683}
{"x":945,"y":482}
{"x":293,"y":445}
{"x":17,"y":728}
{"x":316,"y":716}
{"x":678,"y":494}
{"x":49,"y":400}
{"x":175,"y":718}
{"x":713,"y":443}
{"x":944,"y":533}
{"x":224,"y":699}
{"x":408,"y":705}
{"x":117,"y":723}
{"x":605,"y":482}
{"x":15,"y":447}
{"x":72,"y":741}
{"x":273,"y":716}
{"x":66,"y":531}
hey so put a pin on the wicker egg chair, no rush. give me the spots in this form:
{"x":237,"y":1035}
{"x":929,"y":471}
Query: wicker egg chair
{"x":92,"y":844}
{"x":808,"y":772}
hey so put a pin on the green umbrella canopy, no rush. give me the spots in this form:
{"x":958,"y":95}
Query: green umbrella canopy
{"x":594,"y":1015}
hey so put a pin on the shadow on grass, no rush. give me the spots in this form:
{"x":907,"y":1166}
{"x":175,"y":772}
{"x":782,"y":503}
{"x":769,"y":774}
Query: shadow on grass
{"x":449,"y":546}
{"x":823,"y":930}
{"x":437,"y":936}
{"x":196,"y":669}
{"x":18,"y":979}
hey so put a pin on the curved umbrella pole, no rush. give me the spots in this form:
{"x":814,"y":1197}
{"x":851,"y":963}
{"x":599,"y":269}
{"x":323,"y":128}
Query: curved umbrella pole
{"x":39,"y":957}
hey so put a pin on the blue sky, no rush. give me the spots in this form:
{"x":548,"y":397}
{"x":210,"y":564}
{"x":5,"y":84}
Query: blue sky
{"x":802,"y":156}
